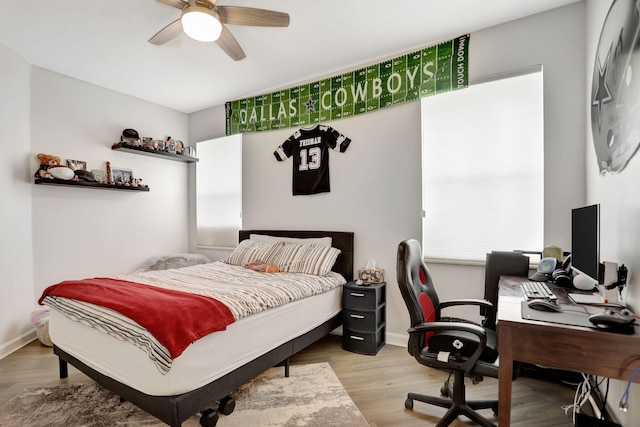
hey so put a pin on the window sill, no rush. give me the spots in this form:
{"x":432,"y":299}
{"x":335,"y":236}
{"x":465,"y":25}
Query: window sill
{"x":449,"y":261}
{"x":533,"y":264}
{"x":220,"y":248}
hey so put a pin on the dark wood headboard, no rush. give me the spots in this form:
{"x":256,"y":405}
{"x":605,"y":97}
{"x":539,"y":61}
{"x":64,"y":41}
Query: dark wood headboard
{"x":342,"y":240}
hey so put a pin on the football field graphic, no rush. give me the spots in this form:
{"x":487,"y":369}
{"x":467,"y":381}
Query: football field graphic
{"x":432,"y":70}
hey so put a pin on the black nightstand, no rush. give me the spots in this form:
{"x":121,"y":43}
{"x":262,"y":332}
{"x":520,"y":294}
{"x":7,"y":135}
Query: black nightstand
{"x":363,"y":315}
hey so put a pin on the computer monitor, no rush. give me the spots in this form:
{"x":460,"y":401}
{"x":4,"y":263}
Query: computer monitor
{"x":585,"y":246}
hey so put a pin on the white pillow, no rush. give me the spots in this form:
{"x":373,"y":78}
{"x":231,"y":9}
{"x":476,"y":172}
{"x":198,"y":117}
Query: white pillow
{"x":321,"y":241}
{"x":249,"y":250}
{"x":308,"y":259}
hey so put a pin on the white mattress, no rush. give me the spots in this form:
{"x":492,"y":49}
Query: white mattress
{"x":203,"y":361}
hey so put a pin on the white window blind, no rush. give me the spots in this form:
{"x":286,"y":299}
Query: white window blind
{"x":219,"y":191}
{"x":483,"y":168}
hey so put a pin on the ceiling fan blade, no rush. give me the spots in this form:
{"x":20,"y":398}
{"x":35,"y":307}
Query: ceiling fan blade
{"x":169,"y":32}
{"x":230,"y":45}
{"x":237,"y":15}
{"x":178,"y":4}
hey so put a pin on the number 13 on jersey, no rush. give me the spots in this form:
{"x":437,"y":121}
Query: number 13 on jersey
{"x":310,"y":150}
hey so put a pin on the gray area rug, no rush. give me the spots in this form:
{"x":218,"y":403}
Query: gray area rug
{"x":311,"y":396}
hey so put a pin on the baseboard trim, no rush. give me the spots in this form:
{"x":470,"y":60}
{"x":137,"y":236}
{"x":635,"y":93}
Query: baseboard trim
{"x":400,"y":340}
{"x":17,"y":343}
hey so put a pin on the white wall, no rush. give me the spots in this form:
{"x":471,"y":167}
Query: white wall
{"x":80,"y":232}
{"x":16,"y":266}
{"x":619,"y":208}
{"x":376,"y":183}
{"x":51,"y":233}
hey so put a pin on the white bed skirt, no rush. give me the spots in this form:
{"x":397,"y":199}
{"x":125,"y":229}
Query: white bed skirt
{"x":203,"y":361}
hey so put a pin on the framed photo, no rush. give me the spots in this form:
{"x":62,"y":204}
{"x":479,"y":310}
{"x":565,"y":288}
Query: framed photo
{"x":77,"y":165}
{"x":122,"y":176}
{"x":171,"y":146}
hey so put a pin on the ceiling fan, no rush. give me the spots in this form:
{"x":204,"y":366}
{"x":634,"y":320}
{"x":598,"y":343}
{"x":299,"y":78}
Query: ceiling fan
{"x":204,"y":21}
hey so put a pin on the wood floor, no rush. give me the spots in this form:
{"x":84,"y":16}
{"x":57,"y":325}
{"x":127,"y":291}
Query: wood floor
{"x":377,"y":384}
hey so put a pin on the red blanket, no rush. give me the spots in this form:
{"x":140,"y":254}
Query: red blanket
{"x":174,"y":318}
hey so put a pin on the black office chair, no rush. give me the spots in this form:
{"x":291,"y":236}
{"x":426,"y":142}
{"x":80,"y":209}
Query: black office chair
{"x":466,"y":349}
{"x":500,"y":263}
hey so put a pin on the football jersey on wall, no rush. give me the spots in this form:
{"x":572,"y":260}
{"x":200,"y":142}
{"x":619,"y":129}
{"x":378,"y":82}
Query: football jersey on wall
{"x":310,"y":150}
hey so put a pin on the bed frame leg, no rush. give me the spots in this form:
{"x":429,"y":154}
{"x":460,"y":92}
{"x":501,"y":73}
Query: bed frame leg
{"x":286,"y":367}
{"x":64,"y":368}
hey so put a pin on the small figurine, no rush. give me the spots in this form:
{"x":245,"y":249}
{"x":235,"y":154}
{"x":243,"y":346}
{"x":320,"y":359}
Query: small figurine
{"x":109,"y":176}
{"x":179,"y":147}
{"x":130,"y":136}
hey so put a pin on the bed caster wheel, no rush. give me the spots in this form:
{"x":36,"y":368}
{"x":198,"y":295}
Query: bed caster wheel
{"x":227,"y":405}
{"x":408,"y":404}
{"x":209,"y":418}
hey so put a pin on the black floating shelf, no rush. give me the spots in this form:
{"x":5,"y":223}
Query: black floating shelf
{"x":89,"y":184}
{"x":121,"y":146}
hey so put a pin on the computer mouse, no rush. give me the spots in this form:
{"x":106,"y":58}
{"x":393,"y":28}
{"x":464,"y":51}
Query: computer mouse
{"x":544,"y":305}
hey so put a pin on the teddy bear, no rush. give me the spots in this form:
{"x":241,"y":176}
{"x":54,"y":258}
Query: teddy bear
{"x":261,"y":266}
{"x":46,"y":161}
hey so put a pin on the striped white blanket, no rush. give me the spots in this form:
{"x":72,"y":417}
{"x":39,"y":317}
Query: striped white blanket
{"x":244,"y":291}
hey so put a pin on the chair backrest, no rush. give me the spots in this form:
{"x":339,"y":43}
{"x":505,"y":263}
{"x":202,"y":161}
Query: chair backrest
{"x":500,"y":263}
{"x":418,"y":292}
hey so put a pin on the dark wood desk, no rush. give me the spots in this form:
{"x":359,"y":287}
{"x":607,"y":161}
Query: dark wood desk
{"x":553,"y":345}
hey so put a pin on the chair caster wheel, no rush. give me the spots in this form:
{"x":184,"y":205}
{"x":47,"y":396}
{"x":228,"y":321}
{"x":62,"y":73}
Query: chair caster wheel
{"x":227,"y":405}
{"x":408,"y":404}
{"x":444,"y":390}
{"x":209,"y":418}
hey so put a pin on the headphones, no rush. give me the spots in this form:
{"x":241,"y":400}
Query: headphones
{"x":561,"y":277}
{"x":550,"y":269}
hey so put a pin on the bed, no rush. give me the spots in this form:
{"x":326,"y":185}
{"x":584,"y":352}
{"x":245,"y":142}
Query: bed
{"x":201,"y":378}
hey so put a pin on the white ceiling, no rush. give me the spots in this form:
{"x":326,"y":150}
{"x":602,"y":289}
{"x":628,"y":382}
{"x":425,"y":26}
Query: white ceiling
{"x":104,"y":42}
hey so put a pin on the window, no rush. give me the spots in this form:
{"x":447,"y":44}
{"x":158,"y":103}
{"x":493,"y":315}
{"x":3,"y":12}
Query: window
{"x":219,"y":191}
{"x":482,"y":168}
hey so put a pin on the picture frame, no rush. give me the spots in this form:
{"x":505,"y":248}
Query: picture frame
{"x":122,"y":176}
{"x":77,"y":165}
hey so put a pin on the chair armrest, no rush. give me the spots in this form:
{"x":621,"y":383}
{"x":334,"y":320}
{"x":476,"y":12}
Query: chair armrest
{"x":451,"y":326}
{"x":469,"y":363}
{"x":487,"y":306}
{"x":467,"y":301}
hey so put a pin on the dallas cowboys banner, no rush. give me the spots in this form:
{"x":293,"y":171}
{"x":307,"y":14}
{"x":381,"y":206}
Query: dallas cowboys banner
{"x":432,"y":70}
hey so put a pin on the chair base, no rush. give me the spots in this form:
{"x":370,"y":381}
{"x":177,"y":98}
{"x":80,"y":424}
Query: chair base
{"x":457,"y":403}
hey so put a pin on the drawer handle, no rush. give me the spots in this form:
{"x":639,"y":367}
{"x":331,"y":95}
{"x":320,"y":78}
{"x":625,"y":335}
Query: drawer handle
{"x":357,"y":316}
{"x":354,"y":337}
{"x":353,"y":294}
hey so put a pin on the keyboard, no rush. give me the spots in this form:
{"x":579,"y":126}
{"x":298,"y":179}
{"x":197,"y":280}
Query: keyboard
{"x":537,"y":290}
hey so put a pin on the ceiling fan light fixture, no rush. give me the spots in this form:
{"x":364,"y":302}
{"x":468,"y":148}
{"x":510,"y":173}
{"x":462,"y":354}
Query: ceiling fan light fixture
{"x":201,"y":23}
